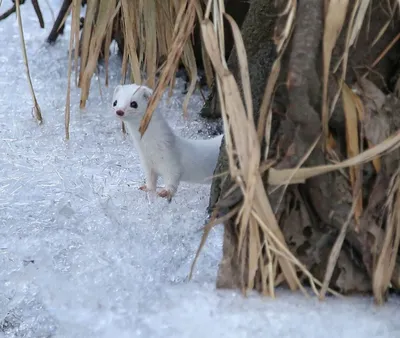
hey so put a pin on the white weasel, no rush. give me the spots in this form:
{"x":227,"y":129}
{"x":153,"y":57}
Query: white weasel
{"x":161,"y":152}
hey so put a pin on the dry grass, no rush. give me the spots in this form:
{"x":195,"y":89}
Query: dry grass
{"x":184,"y":24}
{"x":36,"y":109}
{"x":154,"y":29}
{"x":242,"y":144}
{"x":73,"y":42}
{"x":255,"y":216}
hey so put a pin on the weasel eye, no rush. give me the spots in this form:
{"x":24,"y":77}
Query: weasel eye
{"x":134,"y":104}
{"x":114,"y":103}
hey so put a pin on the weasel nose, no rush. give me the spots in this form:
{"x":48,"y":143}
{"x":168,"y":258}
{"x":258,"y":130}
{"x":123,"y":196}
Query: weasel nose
{"x":120,"y":113}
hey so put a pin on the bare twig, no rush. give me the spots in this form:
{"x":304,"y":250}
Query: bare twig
{"x":58,"y":26}
{"x":8,"y":12}
{"x":38,"y":12}
{"x":13,"y":9}
{"x":384,"y":52}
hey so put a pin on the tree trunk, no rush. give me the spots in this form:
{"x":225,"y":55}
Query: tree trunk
{"x":312,"y":214}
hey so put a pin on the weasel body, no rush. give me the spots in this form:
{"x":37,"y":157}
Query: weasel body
{"x":161,"y":152}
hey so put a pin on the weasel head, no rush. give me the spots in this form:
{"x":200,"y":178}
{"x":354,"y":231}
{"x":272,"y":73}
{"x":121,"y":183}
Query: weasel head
{"x":130,"y":102}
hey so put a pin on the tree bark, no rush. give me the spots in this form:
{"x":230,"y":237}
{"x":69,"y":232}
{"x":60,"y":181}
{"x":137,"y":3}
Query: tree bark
{"x":312,"y":214}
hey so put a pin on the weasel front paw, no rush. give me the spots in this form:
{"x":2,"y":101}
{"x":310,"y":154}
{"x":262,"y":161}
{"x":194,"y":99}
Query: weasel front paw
{"x":145,"y":188}
{"x":164,"y":193}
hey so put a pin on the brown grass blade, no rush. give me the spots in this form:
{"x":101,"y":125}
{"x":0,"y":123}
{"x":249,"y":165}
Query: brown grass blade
{"x":279,"y":177}
{"x":299,"y":164}
{"x":244,"y":68}
{"x":386,"y":261}
{"x":72,"y":37}
{"x":254,"y":251}
{"x":218,"y":17}
{"x":75,"y":30}
{"x":189,"y":61}
{"x":345,"y":55}
{"x":150,"y":41}
{"x":352,"y":143}
{"x":386,"y":50}
{"x":359,"y":19}
{"x":86,"y":36}
{"x":376,"y":162}
{"x":124,"y":66}
{"x":164,"y":34}
{"x":103,"y":20}
{"x":182,"y":30}
{"x":107,"y":43}
{"x":335,"y":13}
{"x":270,"y":273}
{"x":36,"y":108}
{"x":250,"y":189}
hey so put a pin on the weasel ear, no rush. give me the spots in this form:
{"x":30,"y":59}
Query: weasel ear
{"x":147,"y":92}
{"x":116,"y":90}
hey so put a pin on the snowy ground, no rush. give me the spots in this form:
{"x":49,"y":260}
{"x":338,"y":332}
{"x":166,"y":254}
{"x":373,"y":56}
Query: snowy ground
{"x":82,"y":253}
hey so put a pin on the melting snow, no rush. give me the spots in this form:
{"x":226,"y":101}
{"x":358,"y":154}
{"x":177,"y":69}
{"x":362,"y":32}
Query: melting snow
{"x":82,"y":252}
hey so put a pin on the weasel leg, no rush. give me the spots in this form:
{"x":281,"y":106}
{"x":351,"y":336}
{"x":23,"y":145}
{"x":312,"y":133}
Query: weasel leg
{"x":171,"y":186}
{"x":151,"y":181}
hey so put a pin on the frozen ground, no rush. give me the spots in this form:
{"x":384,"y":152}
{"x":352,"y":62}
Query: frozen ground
{"x":82,"y":254}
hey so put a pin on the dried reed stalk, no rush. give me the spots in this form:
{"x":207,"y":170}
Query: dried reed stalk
{"x":150,"y":30}
{"x":36,"y":108}
{"x":72,"y":40}
{"x":383,"y":272}
{"x":183,"y":26}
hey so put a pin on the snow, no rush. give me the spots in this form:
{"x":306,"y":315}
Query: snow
{"x":84,"y":254}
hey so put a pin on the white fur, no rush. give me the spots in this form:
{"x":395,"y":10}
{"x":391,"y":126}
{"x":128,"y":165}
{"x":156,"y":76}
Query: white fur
{"x":162,"y":153}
